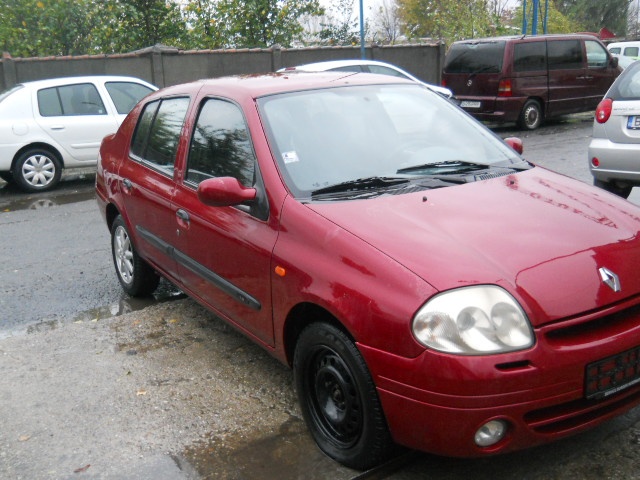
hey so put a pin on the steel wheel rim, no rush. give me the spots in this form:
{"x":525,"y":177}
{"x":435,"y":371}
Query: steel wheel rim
{"x":123,"y":254}
{"x":334,"y":401}
{"x":532,"y":116}
{"x":38,"y":170}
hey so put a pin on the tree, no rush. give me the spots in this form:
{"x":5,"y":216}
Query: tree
{"x":340,"y":24}
{"x":446,"y":20}
{"x":557,"y":22}
{"x":387,"y":22}
{"x":592,"y":15}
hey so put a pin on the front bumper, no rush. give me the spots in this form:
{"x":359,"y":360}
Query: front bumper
{"x":437,"y":402}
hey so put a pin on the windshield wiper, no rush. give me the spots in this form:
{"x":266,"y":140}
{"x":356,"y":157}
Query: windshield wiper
{"x":451,"y":166}
{"x":369,"y":183}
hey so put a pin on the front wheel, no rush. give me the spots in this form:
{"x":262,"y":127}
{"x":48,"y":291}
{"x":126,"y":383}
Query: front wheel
{"x":37,"y":170}
{"x":621,"y":190}
{"x":137,"y":278}
{"x":531,"y":115}
{"x":338,"y":398}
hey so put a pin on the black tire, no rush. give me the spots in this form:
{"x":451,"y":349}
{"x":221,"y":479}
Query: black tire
{"x":531,"y":116}
{"x":137,"y":278}
{"x":37,"y":170}
{"x":621,"y":190}
{"x":7,"y":177}
{"x":338,"y":398}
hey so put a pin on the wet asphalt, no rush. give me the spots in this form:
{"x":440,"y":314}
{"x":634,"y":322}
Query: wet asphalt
{"x":95,"y":385}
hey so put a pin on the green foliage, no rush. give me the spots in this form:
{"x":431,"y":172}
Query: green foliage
{"x":446,"y":20}
{"x":557,"y":22}
{"x":74,"y":27}
{"x":592,"y":15}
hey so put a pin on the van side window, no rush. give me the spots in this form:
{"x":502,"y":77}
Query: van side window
{"x":615,"y":50}
{"x":530,"y":57}
{"x":631,"y":52}
{"x":596,"y":55}
{"x":564,"y":54}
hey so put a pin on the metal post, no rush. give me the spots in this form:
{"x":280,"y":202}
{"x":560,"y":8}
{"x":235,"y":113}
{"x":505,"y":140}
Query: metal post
{"x":362,"y":29}
{"x":534,"y":22}
{"x":524,"y":17}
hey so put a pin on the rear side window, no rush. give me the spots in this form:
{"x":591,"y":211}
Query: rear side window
{"x":348,"y":68}
{"x":530,"y":56}
{"x":125,"y":95}
{"x":631,"y":52}
{"x":221,"y":145}
{"x":564,"y":54}
{"x":158,"y":132}
{"x":385,"y":71}
{"x":481,"y":57}
{"x":69,"y":100}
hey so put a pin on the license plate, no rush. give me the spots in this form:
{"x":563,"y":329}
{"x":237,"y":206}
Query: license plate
{"x":633,"y":122}
{"x":611,"y":375}
{"x":470,"y":104}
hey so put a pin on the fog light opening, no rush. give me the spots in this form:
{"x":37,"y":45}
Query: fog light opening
{"x":491,"y":433}
{"x":595,"y":162}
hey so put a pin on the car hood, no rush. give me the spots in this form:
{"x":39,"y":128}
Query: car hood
{"x":543,"y":236}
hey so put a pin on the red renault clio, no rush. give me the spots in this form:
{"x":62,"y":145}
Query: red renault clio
{"x":429,"y":287}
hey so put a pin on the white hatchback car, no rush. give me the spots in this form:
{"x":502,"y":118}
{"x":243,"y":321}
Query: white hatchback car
{"x":48,"y":125}
{"x":365,"y":66}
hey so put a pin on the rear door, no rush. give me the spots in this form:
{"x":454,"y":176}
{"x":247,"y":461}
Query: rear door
{"x":147,"y":181}
{"x":567,"y":76}
{"x":76,"y":118}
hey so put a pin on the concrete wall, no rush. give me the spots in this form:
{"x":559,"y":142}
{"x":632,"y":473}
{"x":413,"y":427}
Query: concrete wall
{"x":165,"y":66}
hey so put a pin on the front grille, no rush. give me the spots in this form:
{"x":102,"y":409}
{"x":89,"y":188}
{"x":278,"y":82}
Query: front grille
{"x":612,"y":374}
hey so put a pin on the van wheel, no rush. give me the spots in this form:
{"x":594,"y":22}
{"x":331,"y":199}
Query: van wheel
{"x":531,"y":115}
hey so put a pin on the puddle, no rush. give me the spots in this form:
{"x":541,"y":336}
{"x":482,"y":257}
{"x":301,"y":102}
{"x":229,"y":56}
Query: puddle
{"x":166,"y":292}
{"x":290,"y":454}
{"x":45,"y":200}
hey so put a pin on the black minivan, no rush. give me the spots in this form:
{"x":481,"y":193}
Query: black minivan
{"x":525,"y":79}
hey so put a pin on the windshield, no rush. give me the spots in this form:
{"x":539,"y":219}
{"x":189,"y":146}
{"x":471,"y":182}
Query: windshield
{"x":475,"y":57}
{"x":373,"y":136}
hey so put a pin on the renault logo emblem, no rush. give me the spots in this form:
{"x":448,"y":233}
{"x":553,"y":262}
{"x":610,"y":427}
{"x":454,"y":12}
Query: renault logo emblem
{"x":610,"y":279}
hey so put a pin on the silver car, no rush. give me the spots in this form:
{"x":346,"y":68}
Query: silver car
{"x":614,"y":151}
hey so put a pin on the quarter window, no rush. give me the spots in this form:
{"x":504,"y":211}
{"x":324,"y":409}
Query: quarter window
{"x":221,"y":145}
{"x":68,"y":100}
{"x":158,"y":132}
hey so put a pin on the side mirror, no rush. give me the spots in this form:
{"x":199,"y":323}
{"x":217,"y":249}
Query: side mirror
{"x":615,"y":62}
{"x":515,"y":143}
{"x":224,"y":192}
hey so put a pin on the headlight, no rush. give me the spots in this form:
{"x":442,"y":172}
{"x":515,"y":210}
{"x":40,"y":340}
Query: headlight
{"x":473,"y":321}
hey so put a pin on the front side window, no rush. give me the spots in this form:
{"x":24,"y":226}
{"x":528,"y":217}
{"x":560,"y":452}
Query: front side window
{"x":596,"y":55}
{"x":69,"y":100}
{"x":158,"y":132}
{"x":125,"y":95}
{"x":564,"y":54}
{"x":221,"y":145}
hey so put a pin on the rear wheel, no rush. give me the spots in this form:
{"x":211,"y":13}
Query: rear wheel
{"x":37,"y":170}
{"x":137,"y":278}
{"x":531,"y":115}
{"x":338,"y":398}
{"x":621,"y":190}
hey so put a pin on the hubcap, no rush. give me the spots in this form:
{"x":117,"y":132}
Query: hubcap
{"x":123,"y":254}
{"x":38,"y":170}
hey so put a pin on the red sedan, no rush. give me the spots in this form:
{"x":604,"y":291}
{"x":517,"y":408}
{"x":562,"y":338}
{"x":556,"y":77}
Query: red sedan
{"x":429,"y":287}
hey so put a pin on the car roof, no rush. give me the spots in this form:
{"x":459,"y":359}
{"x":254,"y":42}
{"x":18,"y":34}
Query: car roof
{"x":53,"y":82}
{"x":255,"y":86}
{"x":329,"y":64}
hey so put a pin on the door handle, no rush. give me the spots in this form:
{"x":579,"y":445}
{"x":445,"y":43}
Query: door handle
{"x":182,"y":216}
{"x":127,"y":185}
{"x":57,"y":127}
